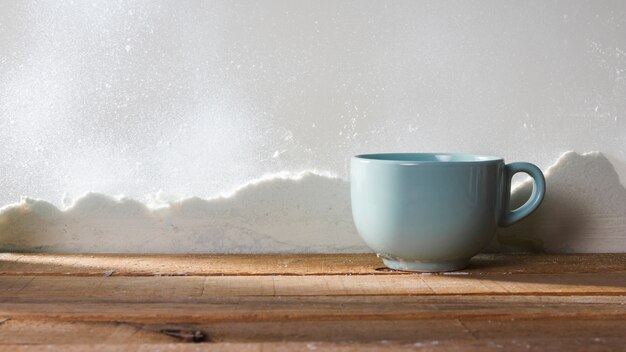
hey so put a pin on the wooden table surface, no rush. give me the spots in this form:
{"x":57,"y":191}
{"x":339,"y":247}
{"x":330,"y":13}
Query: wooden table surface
{"x":309,"y":302}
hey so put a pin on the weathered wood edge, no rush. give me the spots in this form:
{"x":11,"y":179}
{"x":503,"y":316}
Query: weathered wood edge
{"x":21,"y":264}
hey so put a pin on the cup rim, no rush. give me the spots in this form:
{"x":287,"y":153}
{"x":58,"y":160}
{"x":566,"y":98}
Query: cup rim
{"x":427,"y":158}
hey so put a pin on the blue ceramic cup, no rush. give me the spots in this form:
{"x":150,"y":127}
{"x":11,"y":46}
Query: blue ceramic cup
{"x":433,"y":212}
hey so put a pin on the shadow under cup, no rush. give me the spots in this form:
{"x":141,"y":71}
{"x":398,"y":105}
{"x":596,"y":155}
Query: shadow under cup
{"x":434,"y":211}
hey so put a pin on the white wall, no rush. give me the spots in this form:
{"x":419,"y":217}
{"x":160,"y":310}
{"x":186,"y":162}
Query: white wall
{"x":196,"y":98}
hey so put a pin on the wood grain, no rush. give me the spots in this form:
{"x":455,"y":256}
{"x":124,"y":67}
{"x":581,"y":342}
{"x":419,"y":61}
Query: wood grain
{"x":547,"y":344}
{"x":382,"y":332}
{"x":300,"y":303}
{"x":287,"y":264}
{"x":138,"y":288}
{"x":211,"y":309}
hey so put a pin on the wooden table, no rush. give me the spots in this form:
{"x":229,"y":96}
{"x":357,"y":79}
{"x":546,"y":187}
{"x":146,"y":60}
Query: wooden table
{"x":310,"y":302}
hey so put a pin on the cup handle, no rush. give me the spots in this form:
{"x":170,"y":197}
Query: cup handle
{"x":509,"y":217}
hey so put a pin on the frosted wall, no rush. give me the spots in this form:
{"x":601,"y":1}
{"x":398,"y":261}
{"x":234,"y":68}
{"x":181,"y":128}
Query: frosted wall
{"x":162,"y":100}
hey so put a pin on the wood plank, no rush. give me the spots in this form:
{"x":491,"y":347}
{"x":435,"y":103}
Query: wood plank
{"x":182,"y":287}
{"x":21,"y":264}
{"x":380,"y":332}
{"x":424,"y":332}
{"x":211,"y":309}
{"x":335,"y":331}
{"x":547,"y":344}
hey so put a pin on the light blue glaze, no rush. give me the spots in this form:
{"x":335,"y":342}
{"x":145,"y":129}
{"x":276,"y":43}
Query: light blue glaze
{"x":433,"y":212}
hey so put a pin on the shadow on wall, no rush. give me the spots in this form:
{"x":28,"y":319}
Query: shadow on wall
{"x":584,"y":211}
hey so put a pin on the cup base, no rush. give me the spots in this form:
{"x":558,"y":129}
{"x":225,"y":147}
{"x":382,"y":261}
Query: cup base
{"x":428,"y":267}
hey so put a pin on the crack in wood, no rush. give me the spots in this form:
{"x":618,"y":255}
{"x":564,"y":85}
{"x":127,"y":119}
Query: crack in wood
{"x":184,"y":333}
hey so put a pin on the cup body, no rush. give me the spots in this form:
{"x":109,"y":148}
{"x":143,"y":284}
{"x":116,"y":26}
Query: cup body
{"x":427,"y":212}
